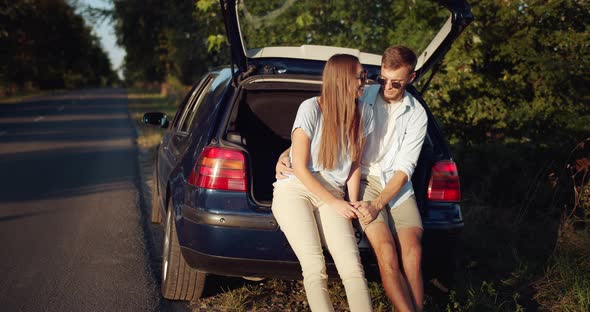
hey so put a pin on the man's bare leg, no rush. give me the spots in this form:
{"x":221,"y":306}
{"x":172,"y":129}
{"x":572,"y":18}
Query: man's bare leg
{"x":394,"y":283}
{"x":409,"y":240}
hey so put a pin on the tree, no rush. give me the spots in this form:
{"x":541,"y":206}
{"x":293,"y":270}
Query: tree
{"x":49,"y":47}
{"x":164,"y":39}
{"x":368,"y":26}
{"x":519,"y":71}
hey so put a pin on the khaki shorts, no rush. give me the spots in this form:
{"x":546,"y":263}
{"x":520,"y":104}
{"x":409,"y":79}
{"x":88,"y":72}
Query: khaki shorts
{"x":404,"y":215}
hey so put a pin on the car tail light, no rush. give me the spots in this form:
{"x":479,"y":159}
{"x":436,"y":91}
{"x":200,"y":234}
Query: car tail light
{"x":444,"y":183}
{"x":220,"y":169}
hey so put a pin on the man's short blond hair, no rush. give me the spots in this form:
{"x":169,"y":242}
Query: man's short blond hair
{"x":399,"y":56}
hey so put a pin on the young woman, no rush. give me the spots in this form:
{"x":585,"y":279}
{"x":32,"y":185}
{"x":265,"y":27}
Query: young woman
{"x":327,"y":140}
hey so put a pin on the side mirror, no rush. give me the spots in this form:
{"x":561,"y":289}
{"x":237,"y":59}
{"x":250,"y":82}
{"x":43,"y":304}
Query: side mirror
{"x":156,"y":119}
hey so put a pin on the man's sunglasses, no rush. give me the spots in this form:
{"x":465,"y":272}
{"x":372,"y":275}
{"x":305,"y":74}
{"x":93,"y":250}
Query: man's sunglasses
{"x":396,"y":84}
{"x":363,"y":76}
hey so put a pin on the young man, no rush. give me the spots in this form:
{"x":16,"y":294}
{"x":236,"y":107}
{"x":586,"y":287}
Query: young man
{"x":388,"y":211}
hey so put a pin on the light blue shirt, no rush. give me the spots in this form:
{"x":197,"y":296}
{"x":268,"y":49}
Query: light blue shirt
{"x":411,"y":121}
{"x":309,"y":119}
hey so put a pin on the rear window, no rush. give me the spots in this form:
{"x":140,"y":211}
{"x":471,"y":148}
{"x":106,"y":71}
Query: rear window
{"x":211,"y":95}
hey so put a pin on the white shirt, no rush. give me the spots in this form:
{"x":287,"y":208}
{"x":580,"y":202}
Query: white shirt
{"x":381,"y":137}
{"x":309,"y":119}
{"x":402,"y":153}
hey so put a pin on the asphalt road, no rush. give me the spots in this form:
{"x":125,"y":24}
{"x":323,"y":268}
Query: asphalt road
{"x":72,"y":234}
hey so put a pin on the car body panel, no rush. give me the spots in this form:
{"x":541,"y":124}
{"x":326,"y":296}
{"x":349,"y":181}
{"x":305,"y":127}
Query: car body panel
{"x":183,"y":147}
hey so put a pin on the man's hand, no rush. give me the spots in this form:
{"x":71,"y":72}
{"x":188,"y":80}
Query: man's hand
{"x":367,"y":211}
{"x":345,"y":209}
{"x":283,"y":168}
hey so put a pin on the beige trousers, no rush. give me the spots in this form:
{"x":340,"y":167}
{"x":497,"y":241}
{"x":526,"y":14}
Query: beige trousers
{"x":308,"y":223}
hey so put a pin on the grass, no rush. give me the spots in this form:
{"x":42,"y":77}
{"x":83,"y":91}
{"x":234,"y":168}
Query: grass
{"x":526,"y":240}
{"x":20,"y":96}
{"x":565,"y":285}
{"x":140,"y":102}
{"x":277,"y":295}
{"x":524,"y":246}
{"x":235,"y":294}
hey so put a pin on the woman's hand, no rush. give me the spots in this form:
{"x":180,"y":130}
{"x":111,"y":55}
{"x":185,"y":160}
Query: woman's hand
{"x":283,"y":167}
{"x":344,"y":208}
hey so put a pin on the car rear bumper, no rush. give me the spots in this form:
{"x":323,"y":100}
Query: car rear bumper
{"x":256,"y":221}
{"x":243,"y":267}
{"x":443,"y":218}
{"x":236,"y":244}
{"x":232,"y":266}
{"x":243,"y":247}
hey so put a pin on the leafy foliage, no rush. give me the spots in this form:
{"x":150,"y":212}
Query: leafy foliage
{"x":367,"y":26}
{"x":46,"y":45}
{"x":519,"y":71}
{"x":165,"y":38}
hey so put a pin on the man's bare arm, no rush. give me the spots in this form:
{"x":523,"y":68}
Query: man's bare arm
{"x":370,"y":210}
{"x":393,"y":186}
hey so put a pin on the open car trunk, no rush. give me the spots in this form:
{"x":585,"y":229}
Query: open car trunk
{"x":261,"y":122}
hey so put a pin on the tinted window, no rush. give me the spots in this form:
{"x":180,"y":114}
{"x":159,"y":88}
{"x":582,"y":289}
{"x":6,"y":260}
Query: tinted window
{"x":188,"y":104}
{"x":196,"y":102}
{"x":184,"y":106}
{"x":213,"y":95}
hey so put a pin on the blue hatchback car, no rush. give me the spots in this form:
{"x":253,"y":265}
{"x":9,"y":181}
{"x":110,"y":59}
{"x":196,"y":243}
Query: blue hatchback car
{"x":214,"y":168}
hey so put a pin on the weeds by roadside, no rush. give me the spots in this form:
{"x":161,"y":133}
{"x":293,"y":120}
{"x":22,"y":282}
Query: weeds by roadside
{"x":17,"y":97}
{"x":526,"y":240}
{"x":141,"y":102}
{"x":565,"y":286}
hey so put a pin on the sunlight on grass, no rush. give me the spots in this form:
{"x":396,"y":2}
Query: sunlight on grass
{"x":241,"y":299}
{"x":141,"y":102}
{"x":132,"y":96}
{"x":149,"y":140}
{"x":268,"y":295}
{"x":25,"y":95}
{"x":566,"y":283}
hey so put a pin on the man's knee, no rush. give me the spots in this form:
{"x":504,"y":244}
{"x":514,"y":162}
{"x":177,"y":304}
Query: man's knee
{"x":410,"y":245}
{"x":412,"y":256}
{"x":387,"y":257}
{"x":383,"y":245}
{"x":379,"y":236}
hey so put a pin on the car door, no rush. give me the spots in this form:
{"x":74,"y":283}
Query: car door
{"x":176,"y":140}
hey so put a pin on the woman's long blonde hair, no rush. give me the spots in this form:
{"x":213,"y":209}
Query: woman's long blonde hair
{"x":342,"y":128}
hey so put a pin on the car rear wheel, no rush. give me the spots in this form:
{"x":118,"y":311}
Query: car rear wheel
{"x":179,"y":280}
{"x":156,"y":215}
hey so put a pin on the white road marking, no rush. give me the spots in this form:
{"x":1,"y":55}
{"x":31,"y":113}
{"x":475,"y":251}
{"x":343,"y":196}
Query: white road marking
{"x":39,"y":118}
{"x":59,"y":109}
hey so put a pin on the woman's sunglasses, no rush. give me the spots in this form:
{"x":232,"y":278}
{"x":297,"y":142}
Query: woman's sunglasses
{"x":363,"y":76}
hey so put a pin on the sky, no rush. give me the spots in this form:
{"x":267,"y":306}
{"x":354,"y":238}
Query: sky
{"x":105,"y":31}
